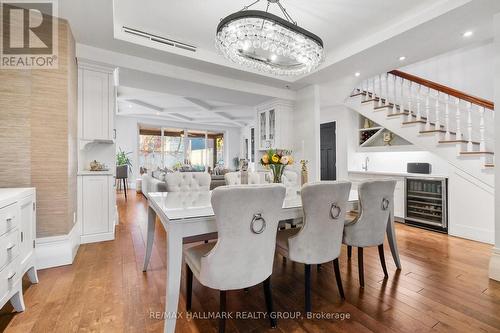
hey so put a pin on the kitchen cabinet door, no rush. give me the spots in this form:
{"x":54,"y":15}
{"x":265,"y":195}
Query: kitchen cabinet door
{"x":95,"y":195}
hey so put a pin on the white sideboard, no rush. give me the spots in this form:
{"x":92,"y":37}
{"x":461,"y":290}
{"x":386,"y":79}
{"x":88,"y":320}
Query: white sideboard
{"x":96,"y":133}
{"x":17,"y":243}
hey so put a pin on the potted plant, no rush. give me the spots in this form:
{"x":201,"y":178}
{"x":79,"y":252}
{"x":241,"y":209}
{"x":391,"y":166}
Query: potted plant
{"x":123,"y":164}
{"x":276,"y":161}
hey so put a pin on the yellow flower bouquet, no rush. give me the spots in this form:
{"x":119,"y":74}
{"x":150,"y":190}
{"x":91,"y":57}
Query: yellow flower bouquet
{"x":276,"y":160}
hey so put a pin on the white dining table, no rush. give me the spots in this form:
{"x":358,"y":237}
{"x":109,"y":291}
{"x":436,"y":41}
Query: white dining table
{"x":187,"y":214}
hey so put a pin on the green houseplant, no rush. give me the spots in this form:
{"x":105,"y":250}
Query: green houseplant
{"x":122,"y":158}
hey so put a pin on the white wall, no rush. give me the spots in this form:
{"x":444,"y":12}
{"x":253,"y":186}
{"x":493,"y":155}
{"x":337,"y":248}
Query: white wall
{"x":345,"y":121}
{"x":495,"y":257}
{"x":306,"y":127}
{"x":469,"y":70}
{"x":127,"y":138}
{"x":396,"y":161}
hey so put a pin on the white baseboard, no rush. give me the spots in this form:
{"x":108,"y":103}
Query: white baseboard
{"x":102,"y":237}
{"x":468,"y":232}
{"x":495,"y":264}
{"x":57,"y":250}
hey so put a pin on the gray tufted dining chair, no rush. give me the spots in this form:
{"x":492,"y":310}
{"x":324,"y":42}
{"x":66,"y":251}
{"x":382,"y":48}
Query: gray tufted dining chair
{"x":247,"y":221}
{"x":187,"y":181}
{"x":320,"y":239}
{"x":234,"y":178}
{"x":376,"y":202}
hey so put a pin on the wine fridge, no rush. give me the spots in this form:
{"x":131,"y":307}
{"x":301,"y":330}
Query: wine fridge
{"x":427,"y":203}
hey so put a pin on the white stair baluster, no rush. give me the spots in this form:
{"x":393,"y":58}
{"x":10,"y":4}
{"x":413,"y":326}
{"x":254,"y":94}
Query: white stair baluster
{"x":410,"y":93}
{"x":482,"y":130}
{"x":402,"y":96}
{"x":470,"y":147}
{"x":386,"y":89}
{"x":437,"y":122}
{"x":457,"y":117}
{"x":373,"y":88}
{"x":394,"y":102}
{"x":428,"y":110}
{"x":419,"y":99}
{"x":447,"y":118}
{"x":380,"y":93}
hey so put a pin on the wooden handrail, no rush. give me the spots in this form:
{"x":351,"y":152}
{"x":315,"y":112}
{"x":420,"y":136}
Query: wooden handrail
{"x":445,"y":90}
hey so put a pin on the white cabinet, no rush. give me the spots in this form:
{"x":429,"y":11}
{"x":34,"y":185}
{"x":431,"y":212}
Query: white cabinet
{"x":274,"y":125}
{"x":96,"y":111}
{"x":96,"y":207}
{"x":17,"y":243}
{"x":28,"y":230}
{"x":96,"y":102}
{"x":399,"y":198}
{"x":399,"y":193}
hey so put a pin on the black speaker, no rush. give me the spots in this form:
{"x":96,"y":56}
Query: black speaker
{"x":424,"y":168}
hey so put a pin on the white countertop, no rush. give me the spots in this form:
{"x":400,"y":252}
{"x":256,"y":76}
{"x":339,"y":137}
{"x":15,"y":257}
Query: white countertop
{"x":95,"y":173}
{"x":395,"y":174}
{"x":7,"y":195}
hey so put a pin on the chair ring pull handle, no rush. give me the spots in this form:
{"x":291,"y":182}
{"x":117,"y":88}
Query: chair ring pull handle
{"x":385,"y":204}
{"x":258,"y":217}
{"x":335,"y":211}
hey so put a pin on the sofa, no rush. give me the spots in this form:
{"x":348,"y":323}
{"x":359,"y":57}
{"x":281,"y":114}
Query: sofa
{"x":159,"y":181}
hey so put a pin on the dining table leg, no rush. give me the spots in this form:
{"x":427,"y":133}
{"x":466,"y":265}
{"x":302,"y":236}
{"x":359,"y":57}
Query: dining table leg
{"x":391,"y":238}
{"x":150,"y":237}
{"x":174,"y":268}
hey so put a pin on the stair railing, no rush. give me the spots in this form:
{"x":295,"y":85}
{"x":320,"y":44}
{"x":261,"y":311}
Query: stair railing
{"x":432,"y":104}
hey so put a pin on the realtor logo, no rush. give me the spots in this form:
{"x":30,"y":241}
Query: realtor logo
{"x":29,"y":34}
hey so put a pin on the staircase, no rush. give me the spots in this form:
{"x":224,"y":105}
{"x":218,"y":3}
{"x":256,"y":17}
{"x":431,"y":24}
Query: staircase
{"x":456,"y":126}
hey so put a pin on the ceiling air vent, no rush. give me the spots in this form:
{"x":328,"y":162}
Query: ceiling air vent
{"x":159,"y":39}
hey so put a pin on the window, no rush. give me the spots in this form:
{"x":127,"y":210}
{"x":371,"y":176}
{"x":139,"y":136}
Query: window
{"x":178,"y":148}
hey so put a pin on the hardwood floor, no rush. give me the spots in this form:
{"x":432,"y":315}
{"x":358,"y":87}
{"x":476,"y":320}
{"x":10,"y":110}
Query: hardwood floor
{"x":443,"y":287}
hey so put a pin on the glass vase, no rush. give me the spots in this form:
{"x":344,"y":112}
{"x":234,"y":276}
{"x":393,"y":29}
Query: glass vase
{"x":277,"y":170}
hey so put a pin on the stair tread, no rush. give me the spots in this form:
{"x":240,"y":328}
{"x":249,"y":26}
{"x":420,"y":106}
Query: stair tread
{"x":370,"y":100}
{"x":414,"y":122}
{"x":458,"y":141}
{"x":436,"y":131}
{"x":477,"y":153}
{"x":398,"y":114}
{"x":383,"y":106}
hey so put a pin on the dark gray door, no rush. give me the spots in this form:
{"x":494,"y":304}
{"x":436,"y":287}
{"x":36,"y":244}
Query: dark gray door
{"x":328,"y":152}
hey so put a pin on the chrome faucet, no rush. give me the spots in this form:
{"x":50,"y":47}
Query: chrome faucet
{"x":365,"y":165}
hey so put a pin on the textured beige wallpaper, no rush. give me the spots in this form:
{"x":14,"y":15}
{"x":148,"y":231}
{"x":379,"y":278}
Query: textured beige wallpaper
{"x":38,"y":121}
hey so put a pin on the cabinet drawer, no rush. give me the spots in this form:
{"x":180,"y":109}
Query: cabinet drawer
{"x":9,"y":247}
{"x":9,"y":275}
{"x":8,"y":218}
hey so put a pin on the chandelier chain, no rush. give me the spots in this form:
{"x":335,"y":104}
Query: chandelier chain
{"x":283,"y":10}
{"x":288,"y":17}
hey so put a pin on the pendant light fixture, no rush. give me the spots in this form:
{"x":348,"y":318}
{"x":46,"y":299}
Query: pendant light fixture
{"x":268,"y":43}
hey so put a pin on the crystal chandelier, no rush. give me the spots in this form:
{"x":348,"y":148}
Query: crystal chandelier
{"x":268,"y":43}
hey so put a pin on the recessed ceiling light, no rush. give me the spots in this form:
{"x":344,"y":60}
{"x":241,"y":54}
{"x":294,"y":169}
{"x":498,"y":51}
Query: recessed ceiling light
{"x":274,"y":57}
{"x":130,"y":105}
{"x":157,"y":113}
{"x":468,"y":34}
{"x":402,"y":58}
{"x":357,"y":74}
